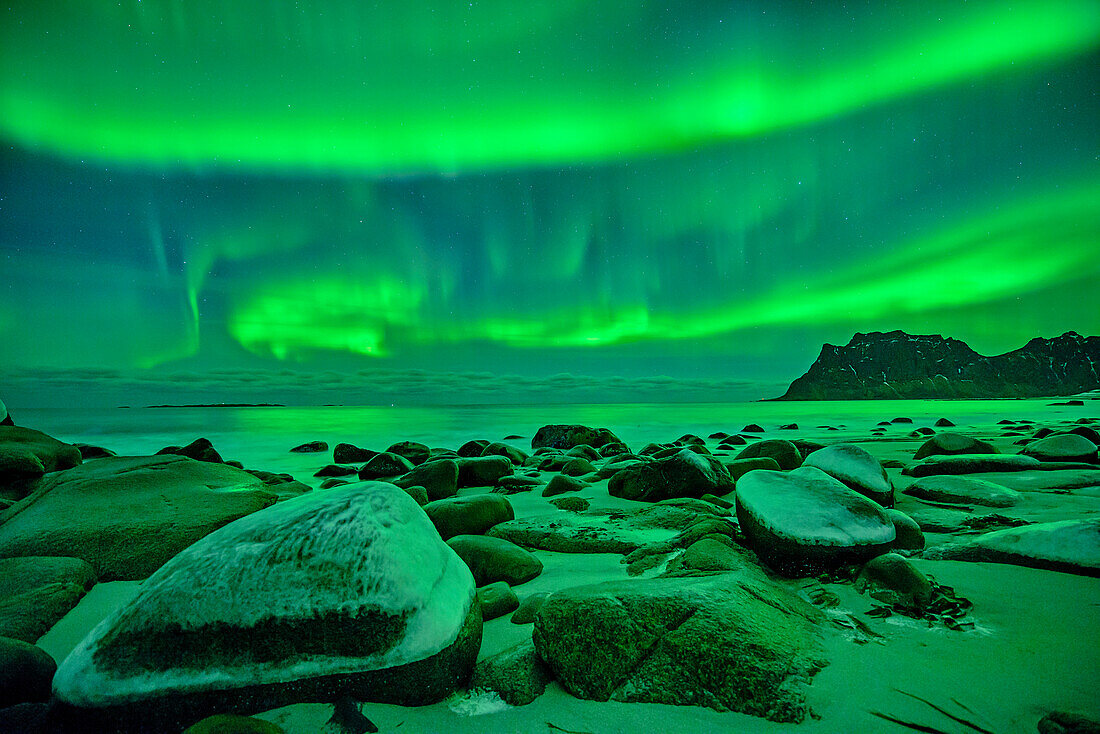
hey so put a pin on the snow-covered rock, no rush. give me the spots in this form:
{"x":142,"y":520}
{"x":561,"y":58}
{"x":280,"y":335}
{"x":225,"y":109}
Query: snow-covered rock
{"x":970,"y":464}
{"x":1072,"y":546}
{"x":962,"y":490}
{"x":856,"y":468}
{"x":802,"y":521}
{"x":348,"y":591}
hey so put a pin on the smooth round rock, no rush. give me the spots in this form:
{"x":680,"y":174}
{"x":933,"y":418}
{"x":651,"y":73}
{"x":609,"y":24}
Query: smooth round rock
{"x":496,"y":600}
{"x":948,"y":443}
{"x":496,"y":559}
{"x":856,"y":468}
{"x":1062,"y":447}
{"x":785,"y":453}
{"x":893,"y":579}
{"x":470,"y":515}
{"x":26,"y":672}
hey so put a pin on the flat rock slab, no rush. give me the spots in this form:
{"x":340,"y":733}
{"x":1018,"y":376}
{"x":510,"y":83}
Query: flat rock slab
{"x":964,"y":490}
{"x":127,"y":516}
{"x":1044,"y":481}
{"x":970,"y":464}
{"x":304,"y":601}
{"x":1071,"y":546}
{"x":717,"y":641}
{"x":36,"y":592}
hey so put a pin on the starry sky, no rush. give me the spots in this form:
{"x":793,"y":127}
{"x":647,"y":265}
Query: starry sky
{"x":649,"y":200}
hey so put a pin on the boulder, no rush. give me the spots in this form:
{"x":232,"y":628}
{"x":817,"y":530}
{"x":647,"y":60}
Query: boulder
{"x":970,"y":464}
{"x":496,"y":600}
{"x":944,"y":423}
{"x":26,"y":454}
{"x":571,"y":503}
{"x":1072,"y":546}
{"x":948,"y":444}
{"x":856,"y":469}
{"x":36,"y":592}
{"x":307,"y":600}
{"x":333,"y":482}
{"x":346,"y":453}
{"x":1068,"y":722}
{"x":88,"y":451}
{"x":752,"y":428}
{"x":126,"y":516}
{"x":785,"y":453}
{"x":737,"y":468}
{"x":513,"y":454}
{"x":313,"y":447}
{"x":893,"y":579}
{"x":517,"y":674}
{"x":962,"y":490}
{"x":577,"y":467}
{"x":470,"y":515}
{"x":495,"y":559}
{"x":385,"y":464}
{"x":200,"y":450}
{"x":719,"y":641}
{"x":335,"y":470}
{"x":568,"y":436}
{"x":438,"y":477}
{"x":483,"y":471}
{"x":25,"y":672}
{"x":233,"y":724}
{"x":415,"y":453}
{"x":684,"y":474}
{"x":1062,"y":447}
{"x":529,"y":607}
{"x":804,"y":521}
{"x":472,"y":448}
{"x":561,"y":483}
{"x":907,"y":533}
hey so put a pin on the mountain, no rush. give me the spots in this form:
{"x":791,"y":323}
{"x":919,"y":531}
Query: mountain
{"x":895,"y":365}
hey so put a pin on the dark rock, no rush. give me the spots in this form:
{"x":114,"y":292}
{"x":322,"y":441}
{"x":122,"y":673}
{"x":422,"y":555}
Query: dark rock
{"x":36,"y":592}
{"x":907,"y":533}
{"x":752,"y":428}
{"x":577,"y":467}
{"x":733,"y":441}
{"x":739,"y":467}
{"x":234,"y":723}
{"x":949,"y":444}
{"x":690,"y":438}
{"x":568,"y":436}
{"x":438,"y":477}
{"x":1065,"y":722}
{"x":472,"y":448}
{"x":385,"y":464}
{"x":1090,"y":433}
{"x":917,"y":367}
{"x":789,"y":427}
{"x":901,"y":420}
{"x":517,"y":674}
{"x":803,"y":521}
{"x":25,"y":672}
{"x":312,"y":447}
{"x":893,"y":580}
{"x":686,"y":474}
{"x":785,"y":453}
{"x":722,"y":642}
{"x":26,"y":718}
{"x":218,"y":630}
{"x":561,"y":483}
{"x":513,"y":454}
{"x":1076,"y":403}
{"x":806,"y":447}
{"x":87,"y":451}
{"x":471,"y":515}
{"x":200,"y":450}
{"x":415,"y":453}
{"x":613,"y":449}
{"x":711,"y":554}
{"x":719,"y":435}
{"x":335,"y":470}
{"x":128,"y":515}
{"x":529,"y":607}
{"x":483,"y":471}
{"x":346,"y":453}
{"x":970,"y":464}
{"x":26,"y":454}
{"x":496,"y":600}
{"x":1063,"y":447}
{"x":495,"y":559}
{"x":515,"y":483}
{"x":571,"y":503}
{"x":333,"y":482}
{"x":418,"y":493}
{"x":944,"y":423}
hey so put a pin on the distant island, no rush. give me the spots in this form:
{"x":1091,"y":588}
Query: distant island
{"x":896,"y":365}
{"x":221,"y":405}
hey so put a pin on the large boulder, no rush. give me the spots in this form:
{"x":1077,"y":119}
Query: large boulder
{"x":416,"y":453}
{"x":200,"y":450}
{"x":471,"y":515}
{"x":894,"y":580}
{"x":25,"y":672}
{"x":344,"y":592}
{"x":385,"y":464}
{"x":36,"y":592}
{"x":347,"y":453}
{"x":684,"y":474}
{"x":483,"y":471}
{"x":498,"y":448}
{"x":516,"y":674}
{"x":568,"y":436}
{"x":1072,"y":546}
{"x":26,"y":454}
{"x":126,"y":516}
{"x":804,"y":521}
{"x":723,"y":641}
{"x":439,"y":478}
{"x":962,"y":490}
{"x":1062,"y":447}
{"x":949,"y":444}
{"x":970,"y":464}
{"x":785,"y":453}
{"x":856,"y":468}
{"x":495,"y":559}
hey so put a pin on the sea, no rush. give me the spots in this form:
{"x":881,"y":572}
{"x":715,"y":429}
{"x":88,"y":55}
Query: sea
{"x":261,"y":437}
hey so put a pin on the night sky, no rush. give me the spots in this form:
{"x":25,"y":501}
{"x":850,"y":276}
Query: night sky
{"x":680,"y":201}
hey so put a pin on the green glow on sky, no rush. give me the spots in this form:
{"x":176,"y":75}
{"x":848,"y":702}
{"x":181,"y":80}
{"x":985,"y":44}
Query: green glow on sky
{"x":204,"y":85}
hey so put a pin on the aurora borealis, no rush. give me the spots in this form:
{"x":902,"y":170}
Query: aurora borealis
{"x":615,"y":190}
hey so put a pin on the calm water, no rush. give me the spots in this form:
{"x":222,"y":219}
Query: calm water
{"x":261,"y":437}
